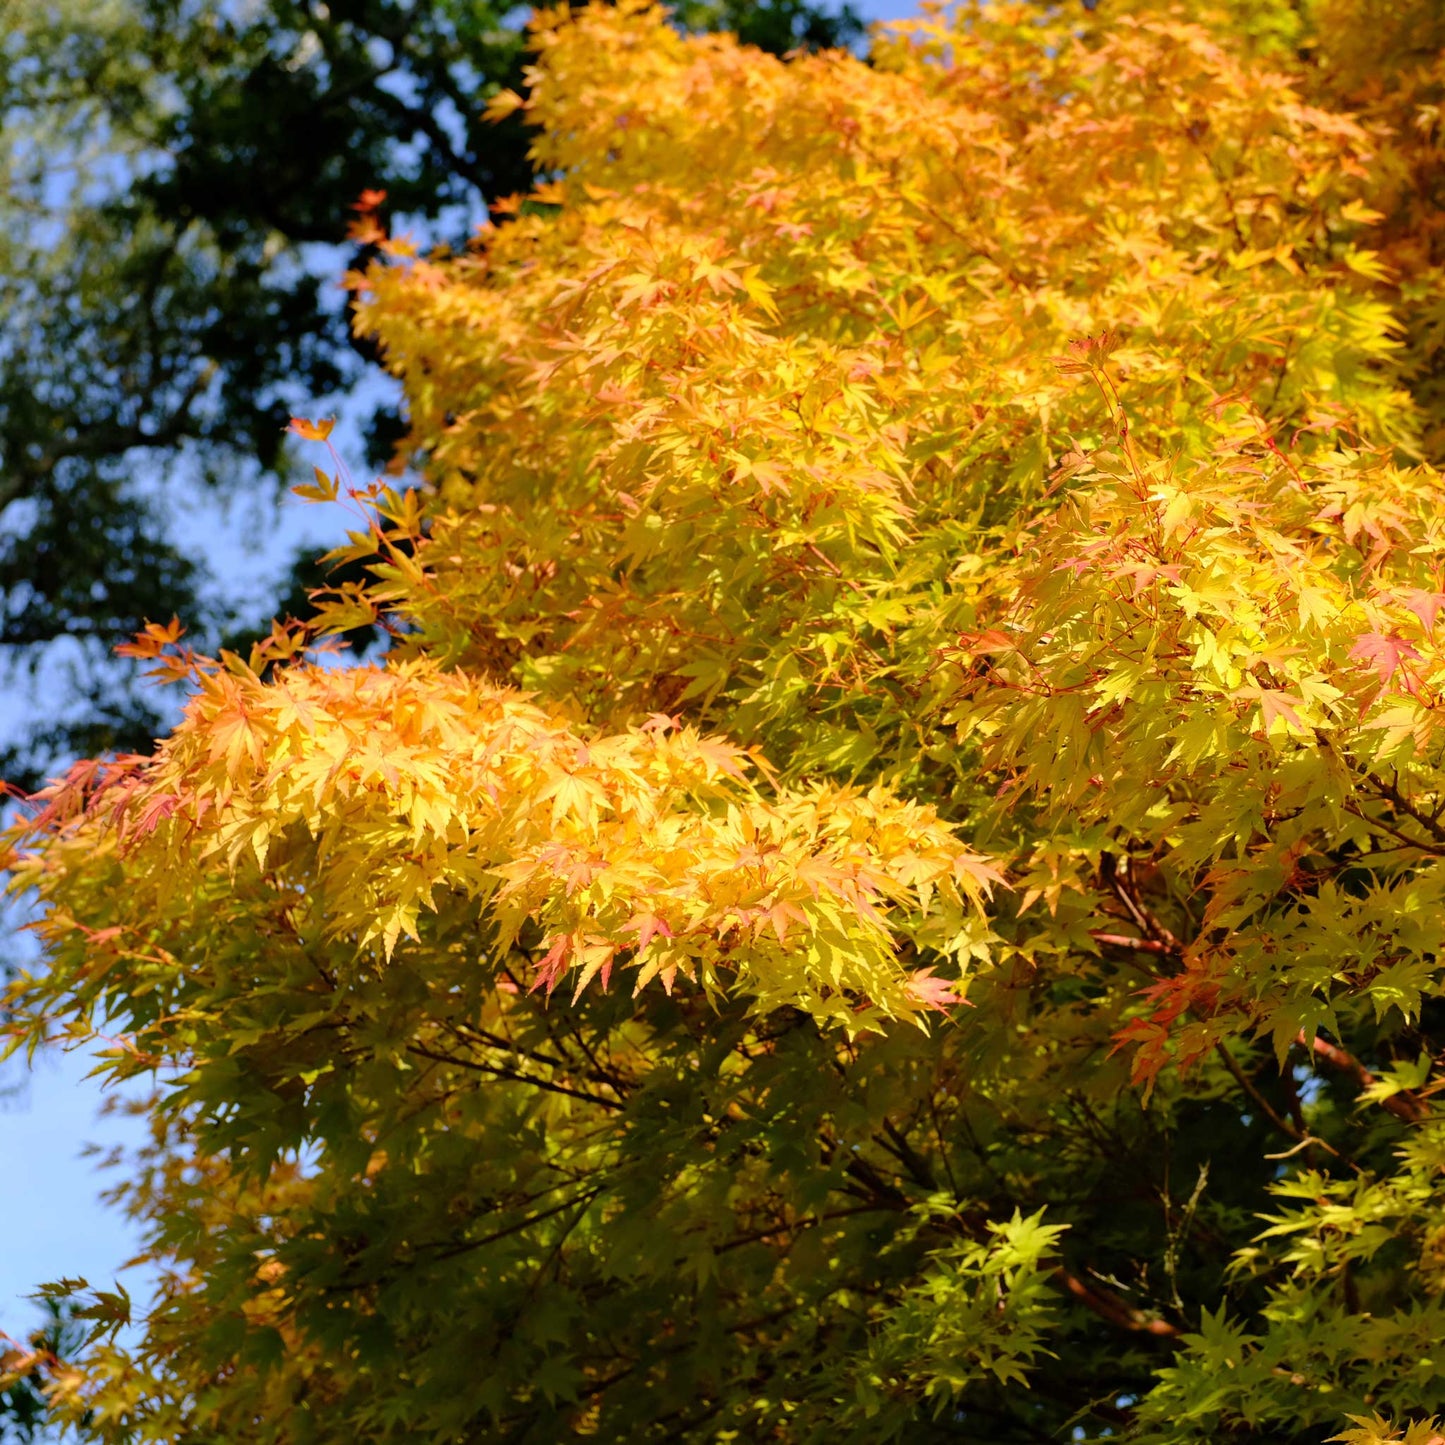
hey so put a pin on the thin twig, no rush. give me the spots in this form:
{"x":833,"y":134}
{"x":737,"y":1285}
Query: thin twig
{"x":1268,"y":1109}
{"x":1110,"y":1307}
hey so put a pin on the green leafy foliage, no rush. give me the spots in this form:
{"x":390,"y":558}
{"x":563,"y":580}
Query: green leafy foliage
{"x":888,"y":886}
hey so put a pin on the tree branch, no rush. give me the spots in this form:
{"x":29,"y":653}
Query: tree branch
{"x":1139,"y":945}
{"x":1268,"y":1109}
{"x":1110,"y":1307}
{"x":1407,"y":1107}
{"x":516,"y":1076}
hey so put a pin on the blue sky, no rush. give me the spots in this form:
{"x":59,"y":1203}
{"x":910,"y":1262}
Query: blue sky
{"x":52,"y":1222}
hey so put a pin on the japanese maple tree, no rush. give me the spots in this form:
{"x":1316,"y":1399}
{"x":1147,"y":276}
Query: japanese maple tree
{"x":889,"y":885}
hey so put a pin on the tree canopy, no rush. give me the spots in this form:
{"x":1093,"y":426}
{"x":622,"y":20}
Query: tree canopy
{"x":176,"y":180}
{"x":888,"y":885}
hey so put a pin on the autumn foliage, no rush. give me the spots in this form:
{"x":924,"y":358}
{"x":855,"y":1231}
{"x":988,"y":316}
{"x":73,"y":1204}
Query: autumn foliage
{"x":889,"y":883}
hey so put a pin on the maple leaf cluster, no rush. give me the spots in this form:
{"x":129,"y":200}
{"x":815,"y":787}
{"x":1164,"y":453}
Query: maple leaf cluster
{"x":954,"y":530}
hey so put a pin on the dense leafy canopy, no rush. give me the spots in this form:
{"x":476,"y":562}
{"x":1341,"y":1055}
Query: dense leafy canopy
{"x":174,"y":182}
{"x":963,"y":526}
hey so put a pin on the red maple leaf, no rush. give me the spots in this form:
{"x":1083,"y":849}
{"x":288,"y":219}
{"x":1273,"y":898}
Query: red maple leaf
{"x":1387,"y":653}
{"x":553,"y":964}
{"x":1425,"y":605}
{"x":933,"y":993}
{"x":647,"y":927}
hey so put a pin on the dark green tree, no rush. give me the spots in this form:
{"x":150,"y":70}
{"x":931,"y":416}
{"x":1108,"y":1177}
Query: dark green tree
{"x":22,"y":1372}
